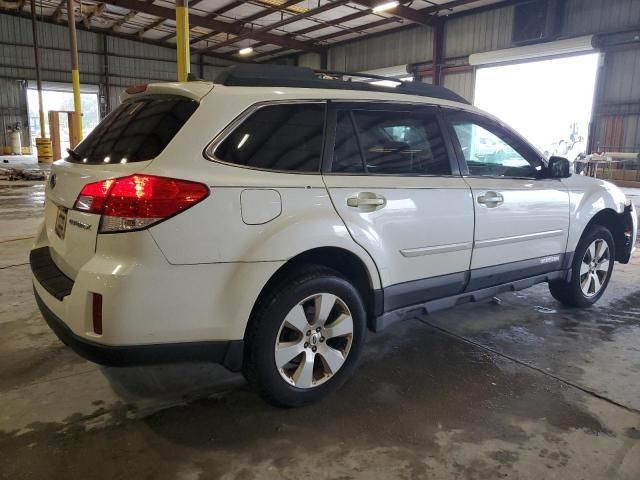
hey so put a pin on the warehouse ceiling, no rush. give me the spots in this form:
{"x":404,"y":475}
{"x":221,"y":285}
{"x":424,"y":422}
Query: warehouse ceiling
{"x":272,"y":28}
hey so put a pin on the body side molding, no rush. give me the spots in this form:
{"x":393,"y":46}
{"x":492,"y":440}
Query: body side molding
{"x":453,"y":247}
{"x":518,"y":238}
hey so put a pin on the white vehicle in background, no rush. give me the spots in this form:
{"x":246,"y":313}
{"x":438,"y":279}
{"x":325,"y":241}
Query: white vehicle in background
{"x":268,"y":220}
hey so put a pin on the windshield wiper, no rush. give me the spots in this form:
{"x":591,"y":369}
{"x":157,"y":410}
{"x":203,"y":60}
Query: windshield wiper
{"x":74,"y":154}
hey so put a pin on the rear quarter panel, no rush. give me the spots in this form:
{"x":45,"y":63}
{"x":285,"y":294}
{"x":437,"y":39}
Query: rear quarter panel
{"x":214,"y":231}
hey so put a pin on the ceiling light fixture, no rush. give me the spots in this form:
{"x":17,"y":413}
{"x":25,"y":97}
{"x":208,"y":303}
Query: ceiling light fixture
{"x":245,"y":51}
{"x":383,"y":7}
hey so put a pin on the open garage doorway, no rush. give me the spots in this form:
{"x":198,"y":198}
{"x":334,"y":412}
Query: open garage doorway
{"x":59,"y":97}
{"x":548,"y":101}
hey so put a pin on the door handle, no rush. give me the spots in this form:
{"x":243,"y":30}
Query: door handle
{"x":491,"y":199}
{"x":367,"y":201}
{"x":364,"y":202}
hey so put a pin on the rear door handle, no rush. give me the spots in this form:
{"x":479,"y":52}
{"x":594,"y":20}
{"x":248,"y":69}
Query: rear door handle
{"x":367,"y":201}
{"x":491,"y":199}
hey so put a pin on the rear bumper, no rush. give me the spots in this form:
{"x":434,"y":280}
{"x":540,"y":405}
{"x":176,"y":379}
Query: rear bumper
{"x":227,"y":353}
{"x":48,"y":274}
{"x":145,"y":299}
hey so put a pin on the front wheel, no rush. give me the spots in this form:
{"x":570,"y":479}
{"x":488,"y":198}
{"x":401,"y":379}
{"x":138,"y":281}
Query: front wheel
{"x":305,"y":337}
{"x":590,"y":270}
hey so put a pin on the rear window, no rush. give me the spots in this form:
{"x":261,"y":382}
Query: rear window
{"x":135,"y":131}
{"x":278,"y":137}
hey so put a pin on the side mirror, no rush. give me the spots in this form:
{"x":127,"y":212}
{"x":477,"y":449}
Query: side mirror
{"x":559,"y":167}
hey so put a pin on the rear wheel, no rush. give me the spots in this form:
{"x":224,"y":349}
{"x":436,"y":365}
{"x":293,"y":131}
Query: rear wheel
{"x":305,"y":338}
{"x":590,"y":270}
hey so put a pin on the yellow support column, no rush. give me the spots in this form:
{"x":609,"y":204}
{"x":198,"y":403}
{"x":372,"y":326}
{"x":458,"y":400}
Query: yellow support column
{"x":182,"y":39}
{"x":75,"y":73}
{"x":43,"y":143}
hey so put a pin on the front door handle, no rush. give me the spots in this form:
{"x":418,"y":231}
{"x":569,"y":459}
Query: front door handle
{"x":491,"y":199}
{"x":367,"y":201}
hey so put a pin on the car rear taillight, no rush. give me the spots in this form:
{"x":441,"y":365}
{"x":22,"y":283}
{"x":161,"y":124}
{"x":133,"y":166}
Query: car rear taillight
{"x":138,"y":201}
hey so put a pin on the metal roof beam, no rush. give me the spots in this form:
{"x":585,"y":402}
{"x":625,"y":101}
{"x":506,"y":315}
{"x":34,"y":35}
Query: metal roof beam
{"x":446,"y":6}
{"x":96,"y":12}
{"x":250,"y":18}
{"x":320,"y":26}
{"x":151,"y":26}
{"x":408,"y":13}
{"x":330,"y":36}
{"x":57,"y":13}
{"x":196,"y":20}
{"x":109,"y":33}
{"x":125,"y":18}
{"x":281,"y":23}
{"x":429,"y":10}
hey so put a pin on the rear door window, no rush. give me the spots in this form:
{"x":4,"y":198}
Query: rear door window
{"x":137,"y":130}
{"x":284,"y":137}
{"x":390,"y":143}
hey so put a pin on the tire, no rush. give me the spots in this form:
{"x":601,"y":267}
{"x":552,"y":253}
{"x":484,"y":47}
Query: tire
{"x":294,"y":319}
{"x":572,"y":292}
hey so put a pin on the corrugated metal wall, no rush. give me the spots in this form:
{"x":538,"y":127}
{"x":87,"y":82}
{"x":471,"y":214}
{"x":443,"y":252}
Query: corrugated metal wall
{"x":617,"y":111}
{"x":488,"y":30}
{"x":482,"y":32}
{"x":399,"y":48}
{"x":461,"y":83}
{"x":311,"y":60}
{"x":583,"y":17}
{"x":16,"y":54}
{"x":127,"y":62}
{"x":621,"y":79}
{"x":13,"y":105}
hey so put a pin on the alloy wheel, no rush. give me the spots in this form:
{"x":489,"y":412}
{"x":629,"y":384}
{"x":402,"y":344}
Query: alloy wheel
{"x":314,"y":340}
{"x":594,"y":268}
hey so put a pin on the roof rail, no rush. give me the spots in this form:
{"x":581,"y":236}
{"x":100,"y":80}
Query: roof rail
{"x":247,"y":75}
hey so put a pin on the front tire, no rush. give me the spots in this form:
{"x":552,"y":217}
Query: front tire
{"x":305,"y":337}
{"x":590,"y":270}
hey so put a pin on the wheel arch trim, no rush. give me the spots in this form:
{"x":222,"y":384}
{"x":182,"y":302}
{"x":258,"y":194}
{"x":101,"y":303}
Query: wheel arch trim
{"x":359,"y":269}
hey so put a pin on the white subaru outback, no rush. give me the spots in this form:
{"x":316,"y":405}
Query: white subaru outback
{"x":267,"y":220}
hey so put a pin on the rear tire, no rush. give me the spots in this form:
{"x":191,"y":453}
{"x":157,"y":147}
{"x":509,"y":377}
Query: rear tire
{"x":305,"y":337}
{"x":590,"y":270}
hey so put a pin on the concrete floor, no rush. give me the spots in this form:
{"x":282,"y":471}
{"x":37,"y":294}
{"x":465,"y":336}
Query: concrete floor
{"x":524,"y":389}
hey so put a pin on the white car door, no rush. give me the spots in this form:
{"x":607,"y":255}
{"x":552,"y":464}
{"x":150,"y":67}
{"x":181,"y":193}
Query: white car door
{"x":522,"y":218}
{"x":393,"y":179}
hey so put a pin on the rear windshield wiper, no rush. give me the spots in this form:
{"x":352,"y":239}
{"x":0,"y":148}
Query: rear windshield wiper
{"x":74,"y":154}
